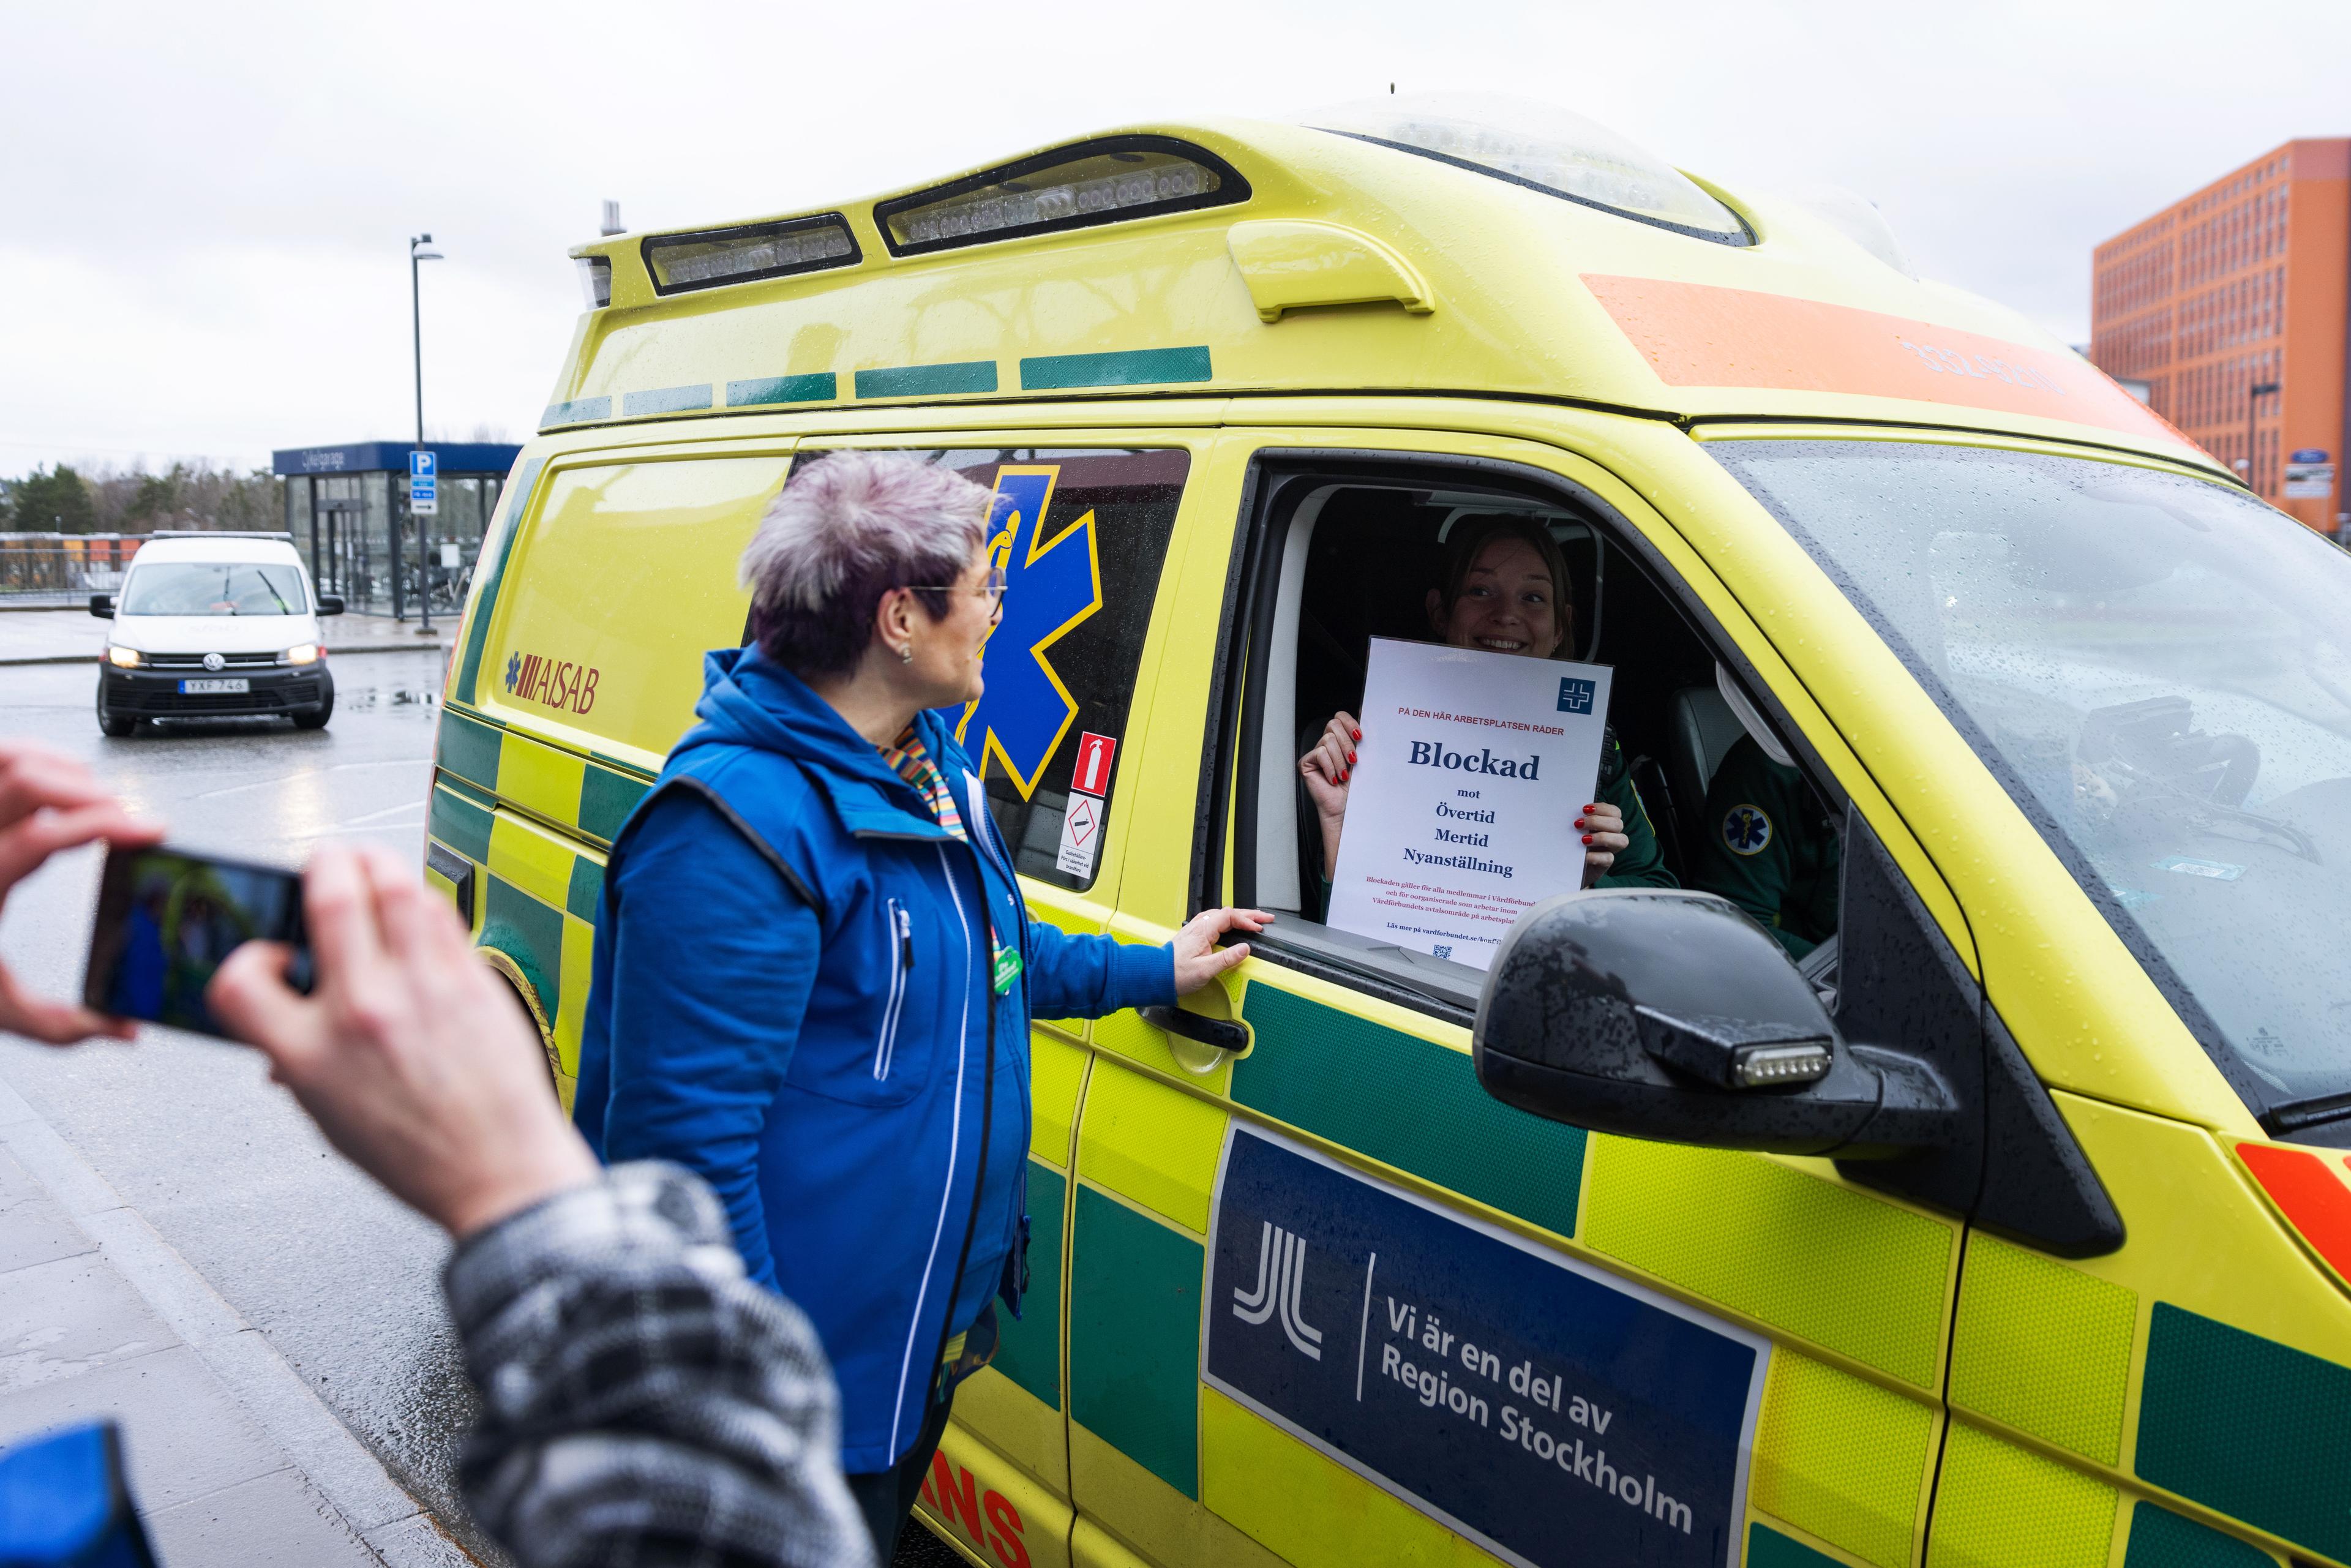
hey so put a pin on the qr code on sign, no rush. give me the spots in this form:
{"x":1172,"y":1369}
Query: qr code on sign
{"x":1441,"y":950}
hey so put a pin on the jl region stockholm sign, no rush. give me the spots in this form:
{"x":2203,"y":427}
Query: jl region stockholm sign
{"x":1549,"y":1411}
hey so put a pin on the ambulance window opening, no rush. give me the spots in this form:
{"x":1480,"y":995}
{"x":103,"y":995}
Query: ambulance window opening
{"x":1265,"y":815}
{"x":1118,"y":179}
{"x":1250,"y":788}
{"x":747,"y":253}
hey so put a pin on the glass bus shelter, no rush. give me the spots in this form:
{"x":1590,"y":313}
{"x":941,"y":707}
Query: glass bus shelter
{"x":346,"y":508}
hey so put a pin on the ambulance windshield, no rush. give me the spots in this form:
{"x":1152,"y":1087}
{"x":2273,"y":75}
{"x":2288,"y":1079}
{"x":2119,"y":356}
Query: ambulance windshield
{"x":1539,"y":145}
{"x":2159,"y":670}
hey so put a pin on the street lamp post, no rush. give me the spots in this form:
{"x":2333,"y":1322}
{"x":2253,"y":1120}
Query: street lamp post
{"x":2253,"y":395}
{"x":419,"y":250}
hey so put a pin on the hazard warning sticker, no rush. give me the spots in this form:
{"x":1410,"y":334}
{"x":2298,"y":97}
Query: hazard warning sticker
{"x":1081,"y":830}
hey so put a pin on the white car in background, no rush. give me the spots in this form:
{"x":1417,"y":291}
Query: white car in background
{"x":208,"y":624}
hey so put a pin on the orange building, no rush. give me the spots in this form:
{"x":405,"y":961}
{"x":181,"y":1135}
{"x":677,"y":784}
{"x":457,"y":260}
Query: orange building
{"x":2245,"y":282}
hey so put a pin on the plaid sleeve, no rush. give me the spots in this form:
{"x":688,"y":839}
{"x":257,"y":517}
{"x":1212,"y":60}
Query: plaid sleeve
{"x":643,"y":1403}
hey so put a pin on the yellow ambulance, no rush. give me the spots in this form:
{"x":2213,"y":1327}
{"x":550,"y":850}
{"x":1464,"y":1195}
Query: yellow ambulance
{"x":2009,"y":1228}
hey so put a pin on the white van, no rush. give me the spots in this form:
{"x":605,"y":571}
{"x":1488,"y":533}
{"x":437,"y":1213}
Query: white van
{"x":214,"y":624}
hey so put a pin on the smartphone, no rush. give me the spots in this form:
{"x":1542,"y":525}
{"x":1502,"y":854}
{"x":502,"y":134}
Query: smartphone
{"x":167,"y":916}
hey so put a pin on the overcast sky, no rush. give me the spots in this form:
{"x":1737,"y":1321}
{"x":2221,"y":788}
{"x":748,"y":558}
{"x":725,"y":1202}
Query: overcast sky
{"x":205,"y":209}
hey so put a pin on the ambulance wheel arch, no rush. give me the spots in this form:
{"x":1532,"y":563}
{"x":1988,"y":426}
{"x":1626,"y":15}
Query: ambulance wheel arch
{"x":526,"y":995}
{"x":1918,"y":933}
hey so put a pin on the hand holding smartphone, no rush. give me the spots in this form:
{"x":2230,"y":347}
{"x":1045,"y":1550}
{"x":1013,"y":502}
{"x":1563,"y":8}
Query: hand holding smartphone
{"x":168,"y":917}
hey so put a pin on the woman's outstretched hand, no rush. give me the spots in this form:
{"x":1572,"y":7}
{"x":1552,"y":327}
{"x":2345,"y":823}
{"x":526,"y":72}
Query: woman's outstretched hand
{"x":1198,"y":959}
{"x":1327,"y":768}
{"x":50,"y":802}
{"x":1603,"y":827}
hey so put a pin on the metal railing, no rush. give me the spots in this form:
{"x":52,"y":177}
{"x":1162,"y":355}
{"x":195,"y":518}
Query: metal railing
{"x":62,"y":568}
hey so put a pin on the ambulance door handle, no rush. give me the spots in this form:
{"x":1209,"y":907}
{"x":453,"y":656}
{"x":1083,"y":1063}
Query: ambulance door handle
{"x":1209,"y":1032}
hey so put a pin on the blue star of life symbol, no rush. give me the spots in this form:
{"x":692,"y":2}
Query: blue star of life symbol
{"x":1746,"y":829}
{"x":514,"y":670}
{"x":1051,"y":585}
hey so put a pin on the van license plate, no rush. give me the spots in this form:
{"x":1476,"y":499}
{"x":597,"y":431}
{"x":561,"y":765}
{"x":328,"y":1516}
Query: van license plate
{"x":235,"y":684}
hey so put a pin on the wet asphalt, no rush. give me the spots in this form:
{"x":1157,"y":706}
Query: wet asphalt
{"x":343,"y":1280}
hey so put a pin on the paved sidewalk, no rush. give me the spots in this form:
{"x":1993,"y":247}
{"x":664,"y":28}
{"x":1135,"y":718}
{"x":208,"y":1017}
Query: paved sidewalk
{"x":233,"y":1461}
{"x":76,"y":636}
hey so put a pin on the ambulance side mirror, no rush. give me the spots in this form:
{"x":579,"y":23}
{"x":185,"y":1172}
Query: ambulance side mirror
{"x":1670,"y":1016}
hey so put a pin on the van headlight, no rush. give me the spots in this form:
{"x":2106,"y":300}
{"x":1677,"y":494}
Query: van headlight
{"x":127,"y":658}
{"x":300,"y":653}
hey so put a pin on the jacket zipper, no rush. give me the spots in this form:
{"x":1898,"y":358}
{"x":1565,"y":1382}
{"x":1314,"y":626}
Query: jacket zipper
{"x":900,"y":926}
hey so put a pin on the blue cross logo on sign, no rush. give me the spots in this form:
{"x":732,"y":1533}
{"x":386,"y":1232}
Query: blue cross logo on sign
{"x":1575,"y":696}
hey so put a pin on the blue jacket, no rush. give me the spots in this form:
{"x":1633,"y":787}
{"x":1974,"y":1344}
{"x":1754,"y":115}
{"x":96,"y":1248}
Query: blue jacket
{"x":792,"y":995}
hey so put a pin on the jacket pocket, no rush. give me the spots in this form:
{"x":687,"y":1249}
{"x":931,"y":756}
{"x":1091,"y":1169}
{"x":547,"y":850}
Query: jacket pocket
{"x":899,"y":936}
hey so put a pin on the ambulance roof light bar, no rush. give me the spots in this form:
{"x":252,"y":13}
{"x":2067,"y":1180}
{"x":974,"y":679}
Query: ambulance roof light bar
{"x":711,"y":258}
{"x":1544,"y":148}
{"x":1115,"y":179}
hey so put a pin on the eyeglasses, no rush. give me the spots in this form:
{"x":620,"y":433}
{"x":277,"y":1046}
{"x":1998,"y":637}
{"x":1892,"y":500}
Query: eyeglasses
{"x":991,"y":587}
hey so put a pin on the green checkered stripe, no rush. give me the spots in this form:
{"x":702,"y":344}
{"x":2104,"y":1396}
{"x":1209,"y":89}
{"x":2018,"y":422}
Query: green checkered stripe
{"x":1134,"y":1283}
{"x":2248,"y":1428}
{"x":1028,"y":1347}
{"x":1134,"y":1336}
{"x":608,"y":788}
{"x":513,"y":922}
{"x":2162,"y":1539}
{"x":464,"y":797}
{"x":1187,"y":365}
{"x":1408,"y":1103}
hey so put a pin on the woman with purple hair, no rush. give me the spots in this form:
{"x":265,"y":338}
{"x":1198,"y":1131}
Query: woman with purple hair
{"x":814,"y":974}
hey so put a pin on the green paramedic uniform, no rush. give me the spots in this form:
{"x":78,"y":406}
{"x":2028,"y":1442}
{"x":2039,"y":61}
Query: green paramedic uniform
{"x":1641,"y":863}
{"x":1768,"y":849}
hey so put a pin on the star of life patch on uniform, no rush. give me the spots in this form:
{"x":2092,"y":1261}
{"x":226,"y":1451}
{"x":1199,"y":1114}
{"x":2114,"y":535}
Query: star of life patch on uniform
{"x":1746,"y":829}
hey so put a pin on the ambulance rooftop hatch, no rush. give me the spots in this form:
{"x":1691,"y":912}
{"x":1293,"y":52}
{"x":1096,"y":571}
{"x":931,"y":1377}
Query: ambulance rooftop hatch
{"x":1442,"y":244}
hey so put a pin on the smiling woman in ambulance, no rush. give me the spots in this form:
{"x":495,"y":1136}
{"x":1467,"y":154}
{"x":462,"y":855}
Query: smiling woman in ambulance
{"x":1504,"y":589}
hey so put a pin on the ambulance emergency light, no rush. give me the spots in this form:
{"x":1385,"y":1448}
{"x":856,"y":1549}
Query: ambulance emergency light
{"x":707,"y":258}
{"x":1544,"y":148}
{"x":1112,"y":180}
{"x":595,"y":280}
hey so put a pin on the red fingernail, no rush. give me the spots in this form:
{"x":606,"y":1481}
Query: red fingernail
{"x":1579,"y":821}
{"x":1587,"y":838}
{"x":1358,"y":733}
{"x":1351,"y":760}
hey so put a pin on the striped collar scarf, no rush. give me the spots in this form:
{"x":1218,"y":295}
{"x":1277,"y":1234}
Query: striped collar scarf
{"x":911,"y":761}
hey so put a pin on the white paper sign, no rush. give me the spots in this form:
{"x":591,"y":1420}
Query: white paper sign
{"x":1468,"y":782}
{"x":1082,"y":832}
